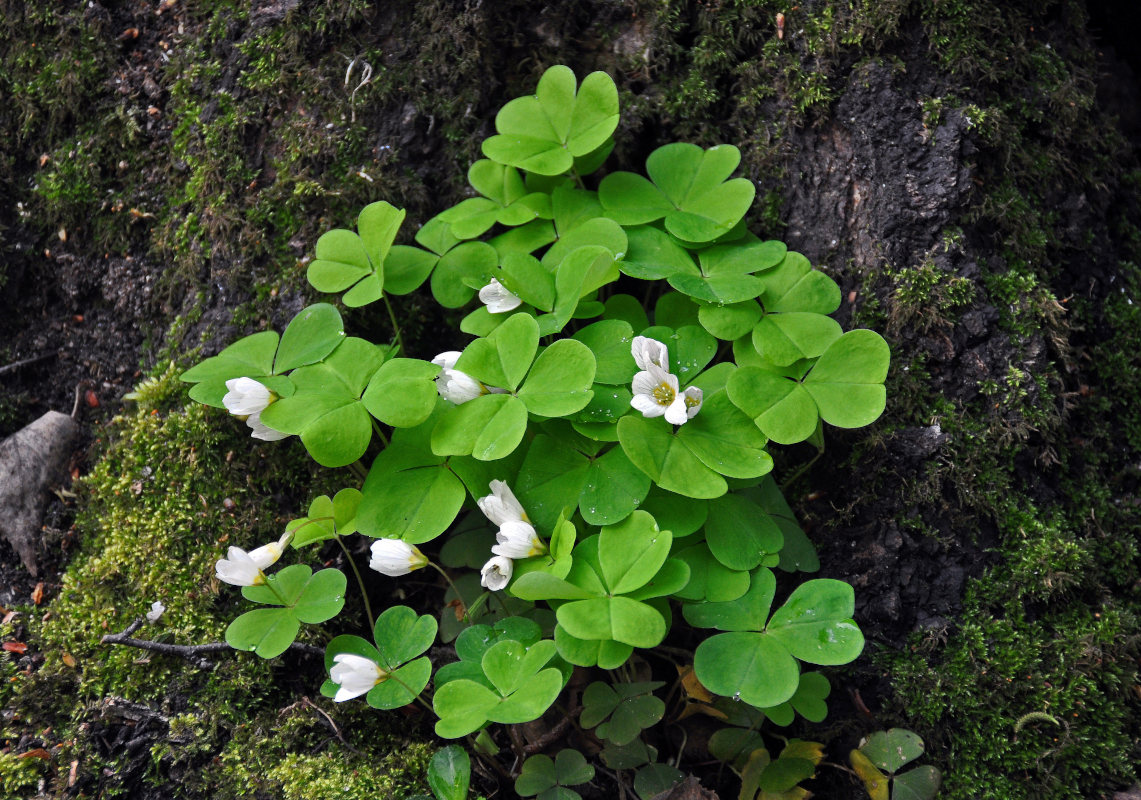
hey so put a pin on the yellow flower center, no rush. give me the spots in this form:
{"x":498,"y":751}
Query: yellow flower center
{"x":663,"y":394}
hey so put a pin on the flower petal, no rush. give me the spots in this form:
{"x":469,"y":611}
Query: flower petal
{"x":676,"y":413}
{"x":395,"y":557}
{"x":447,"y":359}
{"x":647,"y":405}
{"x":497,"y":299}
{"x":647,"y":351}
{"x":262,"y":431}
{"x":355,"y":675}
{"x":245,"y":396}
{"x":496,"y":573}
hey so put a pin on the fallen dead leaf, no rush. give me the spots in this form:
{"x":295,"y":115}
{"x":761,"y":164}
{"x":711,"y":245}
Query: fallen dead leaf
{"x":68,"y":659}
{"x":38,"y":593}
{"x":39,"y":752}
{"x":692,"y":685}
{"x":15,"y":647}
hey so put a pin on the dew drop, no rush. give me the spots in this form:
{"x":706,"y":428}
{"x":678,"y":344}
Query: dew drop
{"x":736,"y":697}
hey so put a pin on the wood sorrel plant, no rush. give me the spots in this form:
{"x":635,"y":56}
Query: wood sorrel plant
{"x":619,"y":451}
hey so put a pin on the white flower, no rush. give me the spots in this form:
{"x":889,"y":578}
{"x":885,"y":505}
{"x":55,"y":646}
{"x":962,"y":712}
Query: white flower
{"x":455,"y":386}
{"x":157,"y":610}
{"x":246,"y":396}
{"x":501,"y":505}
{"x":356,"y":675}
{"x":693,"y":398}
{"x":518,"y":540}
{"x":496,"y":573}
{"x":246,"y":399}
{"x":656,"y":394}
{"x":268,"y":554}
{"x":458,"y":387}
{"x":447,"y":359}
{"x":516,"y":536}
{"x":648,"y":351}
{"x":263,"y":431}
{"x":393,"y":557}
{"x":497,"y":299}
{"x":240,"y":568}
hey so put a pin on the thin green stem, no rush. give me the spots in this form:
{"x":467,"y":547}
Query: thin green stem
{"x":800,"y":472}
{"x":378,"y":430}
{"x":490,"y":760}
{"x":416,"y":695}
{"x":470,"y":613}
{"x":359,"y":470}
{"x":360,"y":581}
{"x":307,"y":523}
{"x":440,"y":570}
{"x":395,"y":324}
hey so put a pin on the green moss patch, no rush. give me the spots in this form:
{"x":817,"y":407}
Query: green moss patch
{"x":171,"y":492}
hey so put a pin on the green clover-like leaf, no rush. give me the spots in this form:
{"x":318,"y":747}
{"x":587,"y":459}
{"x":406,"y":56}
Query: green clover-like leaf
{"x":740,"y":534}
{"x":794,"y":286}
{"x":921,"y":783}
{"x":892,"y":749}
{"x":653,"y":448}
{"x":402,"y":393}
{"x":297,"y":595}
{"x":621,"y":712}
{"x":847,"y":381}
{"x":544,"y":132}
{"x":549,"y":778}
{"x":355,"y":261}
{"x":449,"y":773}
{"x":249,"y":357}
{"x":688,"y":186}
{"x":325,"y":410}
{"x":415,"y":504}
{"x":757,"y":662}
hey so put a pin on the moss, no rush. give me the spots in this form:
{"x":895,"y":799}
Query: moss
{"x":925,"y":296}
{"x":172,"y":490}
{"x":299,"y":753}
{"x":1033,"y":639}
{"x":19,"y":776}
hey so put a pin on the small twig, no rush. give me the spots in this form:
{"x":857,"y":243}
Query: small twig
{"x":15,"y":365}
{"x":307,"y":703}
{"x":548,"y":738}
{"x":191,"y":652}
{"x":489,"y":761}
{"x":516,"y":745}
{"x":616,"y":778}
{"x":78,"y":392}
